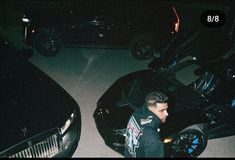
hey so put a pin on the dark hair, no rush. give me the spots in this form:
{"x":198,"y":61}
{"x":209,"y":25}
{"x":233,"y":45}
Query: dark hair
{"x":155,"y":97}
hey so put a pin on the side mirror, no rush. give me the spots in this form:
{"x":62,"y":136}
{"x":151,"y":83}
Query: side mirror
{"x":26,"y":53}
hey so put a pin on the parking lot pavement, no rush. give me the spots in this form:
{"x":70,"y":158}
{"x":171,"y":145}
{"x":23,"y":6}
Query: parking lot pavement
{"x":86,"y":73}
{"x":221,"y":147}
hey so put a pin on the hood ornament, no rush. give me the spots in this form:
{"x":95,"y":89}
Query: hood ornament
{"x":24,"y":132}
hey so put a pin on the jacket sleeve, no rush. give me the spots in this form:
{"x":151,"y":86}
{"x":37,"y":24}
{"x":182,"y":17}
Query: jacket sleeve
{"x":153,"y":146}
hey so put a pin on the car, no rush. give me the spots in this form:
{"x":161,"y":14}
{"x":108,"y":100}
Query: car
{"x":137,"y":25}
{"x":201,"y":105}
{"x":38,"y":117}
{"x":195,"y":38}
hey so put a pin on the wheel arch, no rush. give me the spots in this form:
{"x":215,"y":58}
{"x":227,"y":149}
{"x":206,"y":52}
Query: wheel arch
{"x":52,"y":32}
{"x":137,"y":48}
{"x":196,"y":148}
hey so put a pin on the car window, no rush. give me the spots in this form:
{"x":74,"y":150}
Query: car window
{"x":133,"y":93}
{"x":86,"y":8}
{"x":140,"y":85}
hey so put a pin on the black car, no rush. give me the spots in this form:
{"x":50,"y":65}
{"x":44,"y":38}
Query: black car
{"x":38,"y":118}
{"x":201,"y":107}
{"x":195,"y":38}
{"x":143,"y":27}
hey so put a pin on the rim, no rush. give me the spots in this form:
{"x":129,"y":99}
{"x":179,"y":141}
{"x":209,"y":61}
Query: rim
{"x":144,"y":49}
{"x":48,"y":45}
{"x":188,"y":144}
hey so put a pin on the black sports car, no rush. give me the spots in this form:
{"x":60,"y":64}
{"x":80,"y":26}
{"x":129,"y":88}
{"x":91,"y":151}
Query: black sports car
{"x":137,"y":25}
{"x":38,"y":118}
{"x":201,"y":107}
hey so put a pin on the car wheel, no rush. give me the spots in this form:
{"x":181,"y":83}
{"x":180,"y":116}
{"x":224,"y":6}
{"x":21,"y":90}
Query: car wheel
{"x":47,"y":43}
{"x":143,"y":47}
{"x":188,"y":143}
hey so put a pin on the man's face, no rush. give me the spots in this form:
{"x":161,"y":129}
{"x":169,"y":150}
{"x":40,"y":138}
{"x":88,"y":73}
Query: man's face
{"x":161,"y":111}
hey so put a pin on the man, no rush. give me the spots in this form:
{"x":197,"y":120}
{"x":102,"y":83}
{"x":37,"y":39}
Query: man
{"x":142,"y":137}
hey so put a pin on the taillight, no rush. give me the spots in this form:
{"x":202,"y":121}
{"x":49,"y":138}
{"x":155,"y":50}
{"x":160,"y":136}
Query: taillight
{"x":177,"y":22}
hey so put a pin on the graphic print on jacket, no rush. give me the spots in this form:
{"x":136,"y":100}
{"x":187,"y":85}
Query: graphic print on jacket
{"x":133,"y":134}
{"x":142,"y":135}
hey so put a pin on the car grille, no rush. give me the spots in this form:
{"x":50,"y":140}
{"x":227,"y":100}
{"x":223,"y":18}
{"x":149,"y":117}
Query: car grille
{"x":48,"y":146}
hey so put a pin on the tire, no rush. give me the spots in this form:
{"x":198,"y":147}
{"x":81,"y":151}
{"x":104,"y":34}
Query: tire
{"x":143,"y":47}
{"x":47,"y":43}
{"x":188,"y":143}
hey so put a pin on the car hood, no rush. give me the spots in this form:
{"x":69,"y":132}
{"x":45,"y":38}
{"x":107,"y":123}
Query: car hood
{"x":31,"y":103}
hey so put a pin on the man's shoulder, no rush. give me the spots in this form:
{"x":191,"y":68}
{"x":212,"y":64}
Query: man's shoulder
{"x":148,"y":129}
{"x":139,"y":111}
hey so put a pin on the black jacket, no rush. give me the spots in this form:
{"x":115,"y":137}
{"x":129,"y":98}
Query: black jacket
{"x":142,"y":137}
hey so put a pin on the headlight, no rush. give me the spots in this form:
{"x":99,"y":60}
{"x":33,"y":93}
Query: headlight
{"x":25,"y":19}
{"x":68,"y":123}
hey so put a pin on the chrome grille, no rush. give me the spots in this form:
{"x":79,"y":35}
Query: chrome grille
{"x":45,"y":148}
